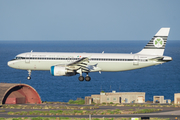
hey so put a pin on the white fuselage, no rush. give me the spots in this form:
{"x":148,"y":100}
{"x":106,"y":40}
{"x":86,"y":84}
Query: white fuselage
{"x":105,"y":61}
{"x":69,"y":64}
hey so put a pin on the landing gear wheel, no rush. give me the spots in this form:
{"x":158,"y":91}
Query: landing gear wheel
{"x":87,"y":78}
{"x":29,"y":72}
{"x":28,"y":77}
{"x":81,"y":78}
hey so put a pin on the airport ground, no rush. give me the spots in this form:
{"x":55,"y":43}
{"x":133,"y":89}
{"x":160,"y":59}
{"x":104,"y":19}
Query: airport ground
{"x":100,"y":111}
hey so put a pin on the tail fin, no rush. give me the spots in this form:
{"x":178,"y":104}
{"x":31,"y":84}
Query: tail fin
{"x":157,"y":44}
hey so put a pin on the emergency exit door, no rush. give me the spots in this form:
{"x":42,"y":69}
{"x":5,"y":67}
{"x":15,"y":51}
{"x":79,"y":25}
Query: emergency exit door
{"x":136,"y":60}
{"x":27,"y":59}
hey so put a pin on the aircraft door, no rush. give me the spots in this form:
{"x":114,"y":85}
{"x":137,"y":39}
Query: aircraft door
{"x":136,"y":60}
{"x":27,"y":59}
{"x":119,"y":99}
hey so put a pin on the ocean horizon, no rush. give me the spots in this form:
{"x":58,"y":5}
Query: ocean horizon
{"x":155,"y":80}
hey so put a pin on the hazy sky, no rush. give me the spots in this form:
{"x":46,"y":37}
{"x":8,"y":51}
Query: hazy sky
{"x":88,"y":19}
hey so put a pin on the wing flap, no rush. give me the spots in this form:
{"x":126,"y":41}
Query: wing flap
{"x":82,"y":65}
{"x":80,"y":61}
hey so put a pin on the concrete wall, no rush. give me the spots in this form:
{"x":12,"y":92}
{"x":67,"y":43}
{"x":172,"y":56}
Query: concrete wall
{"x":88,"y":100}
{"x":160,"y":99}
{"x":168,"y":101}
{"x":119,"y":97}
{"x":95,"y":98}
{"x":109,"y":98}
{"x":177,"y":98}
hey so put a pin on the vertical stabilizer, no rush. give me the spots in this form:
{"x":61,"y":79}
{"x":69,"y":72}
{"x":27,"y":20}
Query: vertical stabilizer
{"x":157,"y":44}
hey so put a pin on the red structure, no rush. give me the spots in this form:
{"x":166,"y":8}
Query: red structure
{"x":18,"y":94}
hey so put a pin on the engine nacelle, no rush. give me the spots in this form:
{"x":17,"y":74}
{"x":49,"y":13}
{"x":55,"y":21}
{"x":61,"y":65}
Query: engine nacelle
{"x":61,"y":71}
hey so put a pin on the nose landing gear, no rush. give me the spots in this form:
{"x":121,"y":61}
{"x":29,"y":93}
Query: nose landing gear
{"x":29,"y":73}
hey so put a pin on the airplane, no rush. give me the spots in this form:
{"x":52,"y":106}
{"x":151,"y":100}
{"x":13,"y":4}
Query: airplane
{"x":69,"y":64}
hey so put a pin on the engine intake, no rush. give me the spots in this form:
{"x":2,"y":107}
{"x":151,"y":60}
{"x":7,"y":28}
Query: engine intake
{"x":61,"y":71}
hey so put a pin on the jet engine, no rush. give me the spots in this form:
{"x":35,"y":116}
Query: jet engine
{"x":61,"y":71}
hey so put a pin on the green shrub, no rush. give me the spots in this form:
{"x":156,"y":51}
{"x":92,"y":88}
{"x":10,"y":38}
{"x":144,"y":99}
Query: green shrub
{"x":59,"y":111}
{"x":130,"y":109}
{"x":104,"y":103}
{"x":147,"y":110}
{"x":117,"y":111}
{"x":15,"y":119}
{"x":96,"y":119}
{"x":37,"y":118}
{"x":116,"y":104}
{"x":2,"y":118}
{"x":23,"y":113}
{"x":79,"y":102}
{"x":71,"y":101}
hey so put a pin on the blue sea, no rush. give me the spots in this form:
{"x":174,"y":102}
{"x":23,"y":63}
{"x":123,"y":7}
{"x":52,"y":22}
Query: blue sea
{"x":156,"y":80}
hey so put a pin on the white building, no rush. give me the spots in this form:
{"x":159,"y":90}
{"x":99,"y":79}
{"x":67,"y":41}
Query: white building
{"x":119,"y":97}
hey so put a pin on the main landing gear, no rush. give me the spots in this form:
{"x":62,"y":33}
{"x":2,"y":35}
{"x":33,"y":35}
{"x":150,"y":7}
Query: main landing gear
{"x":87,"y":78}
{"x":29,"y":77}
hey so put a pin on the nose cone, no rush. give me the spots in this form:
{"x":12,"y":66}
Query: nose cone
{"x":11,"y":63}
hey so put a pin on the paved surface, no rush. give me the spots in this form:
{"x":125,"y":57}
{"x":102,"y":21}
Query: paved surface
{"x":168,"y":112}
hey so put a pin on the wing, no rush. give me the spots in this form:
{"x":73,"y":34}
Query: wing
{"x":80,"y":61}
{"x":82,"y":65}
{"x":79,"y":64}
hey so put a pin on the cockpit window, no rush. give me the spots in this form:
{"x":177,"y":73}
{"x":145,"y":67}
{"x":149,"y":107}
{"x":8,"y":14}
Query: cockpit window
{"x":16,"y":58}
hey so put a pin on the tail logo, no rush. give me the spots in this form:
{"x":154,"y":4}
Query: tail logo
{"x":158,"y":42}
